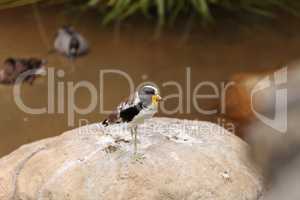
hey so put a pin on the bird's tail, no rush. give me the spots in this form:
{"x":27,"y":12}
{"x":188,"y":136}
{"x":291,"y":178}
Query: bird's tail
{"x":105,"y":122}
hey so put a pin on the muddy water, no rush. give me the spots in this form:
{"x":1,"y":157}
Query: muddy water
{"x":140,"y":51}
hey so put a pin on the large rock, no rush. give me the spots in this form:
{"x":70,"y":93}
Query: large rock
{"x":183,"y":160}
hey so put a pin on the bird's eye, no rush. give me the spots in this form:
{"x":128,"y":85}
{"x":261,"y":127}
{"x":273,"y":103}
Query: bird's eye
{"x":149,"y":92}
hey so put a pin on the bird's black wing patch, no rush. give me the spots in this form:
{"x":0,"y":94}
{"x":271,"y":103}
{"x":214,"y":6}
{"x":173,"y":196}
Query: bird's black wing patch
{"x":129,"y":113}
{"x":74,"y":45}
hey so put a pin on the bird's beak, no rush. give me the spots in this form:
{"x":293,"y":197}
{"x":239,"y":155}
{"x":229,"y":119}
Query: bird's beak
{"x":159,"y":98}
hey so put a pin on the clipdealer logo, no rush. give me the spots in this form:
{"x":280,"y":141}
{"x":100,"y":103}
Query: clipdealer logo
{"x":279,"y":122}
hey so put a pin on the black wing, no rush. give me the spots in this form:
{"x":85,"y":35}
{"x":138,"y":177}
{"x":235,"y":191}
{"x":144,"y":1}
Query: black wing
{"x":129,"y":113}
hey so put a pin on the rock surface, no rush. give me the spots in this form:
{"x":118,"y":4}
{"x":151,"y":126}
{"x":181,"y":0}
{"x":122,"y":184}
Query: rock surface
{"x":182,"y":160}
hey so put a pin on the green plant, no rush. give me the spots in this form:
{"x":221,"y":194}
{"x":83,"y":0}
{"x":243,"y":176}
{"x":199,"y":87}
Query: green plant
{"x":15,"y":3}
{"x":169,"y":10}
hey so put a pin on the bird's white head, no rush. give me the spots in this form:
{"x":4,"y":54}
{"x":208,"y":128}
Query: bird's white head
{"x":149,"y":96}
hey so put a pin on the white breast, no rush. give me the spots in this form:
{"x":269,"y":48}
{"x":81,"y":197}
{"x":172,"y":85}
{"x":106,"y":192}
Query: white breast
{"x":143,"y":115}
{"x":83,"y":47}
{"x":62,"y":43}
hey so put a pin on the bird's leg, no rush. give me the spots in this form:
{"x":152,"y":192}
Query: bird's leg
{"x":136,"y":156}
{"x":131,"y":131}
{"x":135,"y":140}
{"x":72,"y":64}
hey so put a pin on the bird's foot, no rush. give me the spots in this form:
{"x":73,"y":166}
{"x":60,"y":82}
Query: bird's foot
{"x":138,"y":157}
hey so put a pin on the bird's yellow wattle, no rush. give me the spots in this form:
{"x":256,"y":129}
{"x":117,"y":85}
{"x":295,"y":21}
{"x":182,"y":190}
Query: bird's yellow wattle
{"x":155,"y":99}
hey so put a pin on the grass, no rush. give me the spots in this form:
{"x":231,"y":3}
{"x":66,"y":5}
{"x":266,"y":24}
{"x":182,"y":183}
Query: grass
{"x":168,"y":10}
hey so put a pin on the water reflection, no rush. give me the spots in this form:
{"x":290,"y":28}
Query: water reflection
{"x":135,"y":49}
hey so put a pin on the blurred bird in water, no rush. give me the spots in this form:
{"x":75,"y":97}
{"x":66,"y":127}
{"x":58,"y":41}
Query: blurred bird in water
{"x":275,"y":143}
{"x":14,"y":67}
{"x":70,"y":43}
{"x":134,"y":111}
